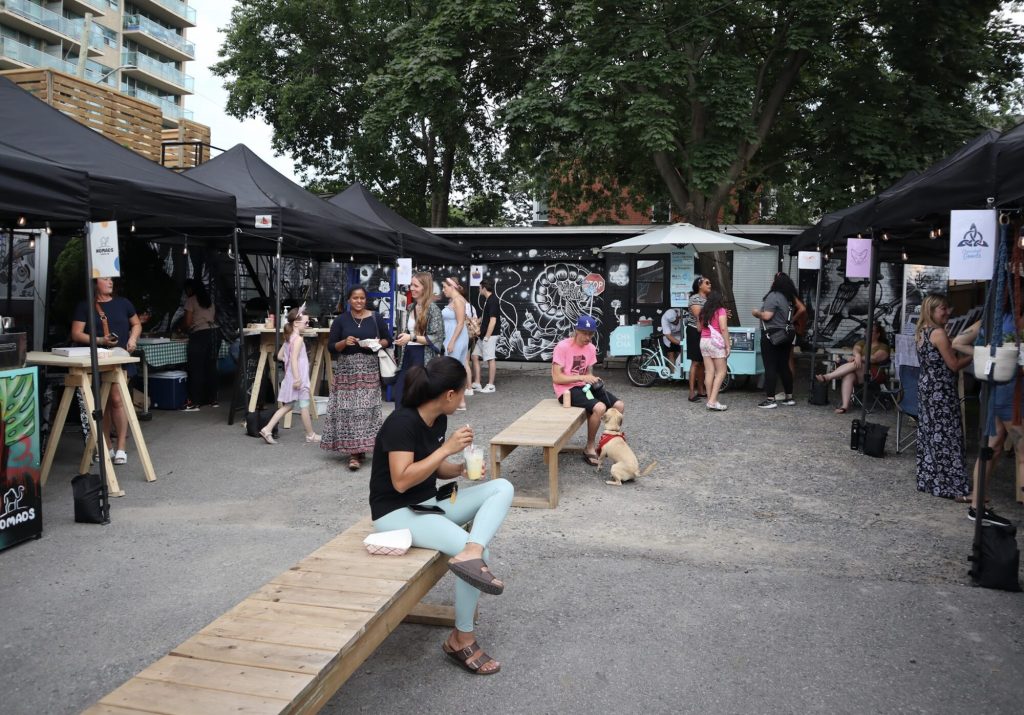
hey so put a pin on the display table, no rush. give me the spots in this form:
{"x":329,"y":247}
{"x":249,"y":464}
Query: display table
{"x":79,"y":376}
{"x":319,"y":366}
{"x":163,"y":352}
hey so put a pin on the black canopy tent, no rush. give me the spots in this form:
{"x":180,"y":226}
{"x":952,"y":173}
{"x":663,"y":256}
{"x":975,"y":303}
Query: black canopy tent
{"x":35,"y":191}
{"x":122,"y":185}
{"x":409,"y":239}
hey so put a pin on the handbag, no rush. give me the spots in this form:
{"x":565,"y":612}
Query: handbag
{"x":783,"y":335}
{"x":255,"y":421}
{"x":386,"y":361}
{"x":999,"y":561}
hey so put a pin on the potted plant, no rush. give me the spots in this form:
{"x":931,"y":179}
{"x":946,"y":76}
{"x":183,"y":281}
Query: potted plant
{"x":1003,"y":365}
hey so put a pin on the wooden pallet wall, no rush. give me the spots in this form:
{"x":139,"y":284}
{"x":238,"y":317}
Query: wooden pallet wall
{"x":131,"y":122}
{"x":184,"y":157}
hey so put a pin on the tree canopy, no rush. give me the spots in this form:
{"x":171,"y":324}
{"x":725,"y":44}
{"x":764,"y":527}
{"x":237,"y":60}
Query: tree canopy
{"x":734,"y":110}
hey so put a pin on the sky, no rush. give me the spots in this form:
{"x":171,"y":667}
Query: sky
{"x":210,"y":97}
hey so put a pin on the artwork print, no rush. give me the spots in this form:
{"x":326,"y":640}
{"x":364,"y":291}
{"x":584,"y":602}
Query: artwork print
{"x":842,"y":318}
{"x":21,"y":507}
{"x":23,"y":269}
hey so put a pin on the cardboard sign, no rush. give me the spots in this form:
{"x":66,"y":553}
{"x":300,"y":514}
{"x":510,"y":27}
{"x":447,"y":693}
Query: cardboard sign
{"x":972,"y":245}
{"x":681,"y":276}
{"x":264,"y":221}
{"x":106,"y":262}
{"x":858,"y":257}
{"x":476,"y":274}
{"x":404,"y":273}
{"x":809,"y":261}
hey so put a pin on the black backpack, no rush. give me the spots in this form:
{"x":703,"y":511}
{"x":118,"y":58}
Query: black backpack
{"x":1000,"y":559}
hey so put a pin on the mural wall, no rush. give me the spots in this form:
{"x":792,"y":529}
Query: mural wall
{"x":23,"y":270}
{"x":844,"y":302}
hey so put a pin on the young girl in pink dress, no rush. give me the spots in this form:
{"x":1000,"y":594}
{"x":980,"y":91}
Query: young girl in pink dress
{"x":295,"y":385}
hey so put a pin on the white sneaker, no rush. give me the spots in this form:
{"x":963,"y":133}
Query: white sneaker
{"x":487,"y":389}
{"x":469,"y":392}
{"x":476,"y":386}
{"x":120,"y":457}
{"x":718,"y":407}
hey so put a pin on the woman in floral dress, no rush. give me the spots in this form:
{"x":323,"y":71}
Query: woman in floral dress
{"x":941,"y":468}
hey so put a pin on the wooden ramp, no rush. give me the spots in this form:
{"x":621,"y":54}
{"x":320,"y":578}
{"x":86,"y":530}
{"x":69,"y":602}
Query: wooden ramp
{"x":289,"y":646}
{"x":547,"y":425}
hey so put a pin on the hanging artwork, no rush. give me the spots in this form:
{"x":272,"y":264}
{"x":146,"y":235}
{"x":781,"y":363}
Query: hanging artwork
{"x":23,"y":269}
{"x":844,"y":303}
{"x":858,"y":257}
{"x":972,"y":245}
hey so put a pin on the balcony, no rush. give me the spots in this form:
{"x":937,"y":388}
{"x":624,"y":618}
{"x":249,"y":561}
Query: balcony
{"x":157,"y":37}
{"x":96,"y":7}
{"x":162,"y":75}
{"x":47,"y":25}
{"x":174,"y":12}
{"x":170,"y":110}
{"x":14,"y":55}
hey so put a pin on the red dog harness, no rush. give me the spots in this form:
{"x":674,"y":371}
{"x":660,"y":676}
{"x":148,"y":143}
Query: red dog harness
{"x":606,"y":438}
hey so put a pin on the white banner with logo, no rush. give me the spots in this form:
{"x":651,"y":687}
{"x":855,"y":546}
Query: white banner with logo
{"x":106,"y":262}
{"x":972,"y":245}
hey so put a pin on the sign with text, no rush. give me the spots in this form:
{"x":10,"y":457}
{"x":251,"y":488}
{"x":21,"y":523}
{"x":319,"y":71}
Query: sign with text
{"x":809,"y":260}
{"x":681,"y":276}
{"x":972,"y":245}
{"x":858,"y":258}
{"x":593,"y":284}
{"x":106,"y":262}
{"x":404,"y":273}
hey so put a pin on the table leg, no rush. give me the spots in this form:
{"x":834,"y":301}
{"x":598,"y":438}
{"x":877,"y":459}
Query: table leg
{"x":121,"y":381}
{"x":113,"y":488}
{"x":55,"y":431}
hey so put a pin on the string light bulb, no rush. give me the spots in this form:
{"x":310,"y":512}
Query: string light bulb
{"x":931,"y":234}
{"x":351,"y":259}
{"x":904,"y":255}
{"x":132,"y":229}
{"x":49,"y":231}
{"x":22,"y":220}
{"x":885,"y":237}
{"x":184,"y":251}
{"x":32,"y":242}
{"x":332,"y":258}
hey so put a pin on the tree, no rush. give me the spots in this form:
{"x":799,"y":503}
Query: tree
{"x":711,"y":103}
{"x":398,"y":95}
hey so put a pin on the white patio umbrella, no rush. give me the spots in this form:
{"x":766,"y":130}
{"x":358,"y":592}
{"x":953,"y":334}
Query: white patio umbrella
{"x":674,"y":237}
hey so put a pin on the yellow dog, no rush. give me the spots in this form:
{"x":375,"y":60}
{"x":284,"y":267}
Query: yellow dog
{"x":625,"y":467}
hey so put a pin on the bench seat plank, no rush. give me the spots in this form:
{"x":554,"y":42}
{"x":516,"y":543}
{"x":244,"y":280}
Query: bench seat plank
{"x":291,"y":659}
{"x":102,"y":709}
{"x":340,"y":582}
{"x":229,"y":677}
{"x":154,"y":696}
{"x":300,"y":615}
{"x":255,"y":629}
{"x":328,"y":598}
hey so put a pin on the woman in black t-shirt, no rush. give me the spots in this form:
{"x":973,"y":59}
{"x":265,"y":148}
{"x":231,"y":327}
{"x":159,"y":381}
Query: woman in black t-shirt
{"x":409,"y":455}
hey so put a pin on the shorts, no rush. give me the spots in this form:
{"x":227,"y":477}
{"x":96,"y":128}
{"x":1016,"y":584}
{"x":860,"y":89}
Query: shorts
{"x":670,"y":347}
{"x":693,"y":344}
{"x":578,"y":398}
{"x":709,"y":349}
{"x":485,"y":347}
{"x":303,"y":404}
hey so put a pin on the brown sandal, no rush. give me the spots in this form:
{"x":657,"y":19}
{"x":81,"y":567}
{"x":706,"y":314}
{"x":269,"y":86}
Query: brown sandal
{"x":354,"y":463}
{"x":465,"y":658}
{"x":472,"y":572}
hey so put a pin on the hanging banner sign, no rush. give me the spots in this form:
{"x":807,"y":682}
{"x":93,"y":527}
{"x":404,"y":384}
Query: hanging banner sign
{"x":809,"y":260}
{"x":106,"y":262}
{"x":858,"y":258}
{"x":264,"y":221}
{"x":476,"y":274}
{"x":681,"y":276}
{"x":972,"y":245}
{"x":404,"y":276}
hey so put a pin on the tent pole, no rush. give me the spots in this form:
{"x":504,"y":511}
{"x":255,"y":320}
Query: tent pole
{"x":10,"y":271}
{"x":817,"y":312}
{"x":101,"y":443}
{"x":869,"y":328}
{"x":277,"y":301}
{"x":239,"y":393}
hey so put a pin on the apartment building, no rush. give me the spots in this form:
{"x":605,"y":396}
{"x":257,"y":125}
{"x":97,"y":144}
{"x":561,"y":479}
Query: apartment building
{"x":137,"y":47}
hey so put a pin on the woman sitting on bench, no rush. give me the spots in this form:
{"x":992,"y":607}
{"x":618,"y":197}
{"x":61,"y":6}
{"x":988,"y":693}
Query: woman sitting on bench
{"x":409,"y":455}
{"x":852,"y":371}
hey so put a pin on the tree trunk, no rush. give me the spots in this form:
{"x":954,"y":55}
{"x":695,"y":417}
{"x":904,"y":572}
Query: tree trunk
{"x":442,"y":192}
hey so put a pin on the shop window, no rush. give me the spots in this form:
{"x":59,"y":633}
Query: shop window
{"x":650,"y":281}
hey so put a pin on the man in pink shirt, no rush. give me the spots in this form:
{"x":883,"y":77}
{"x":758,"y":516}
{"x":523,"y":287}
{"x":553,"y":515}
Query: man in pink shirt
{"x":571,"y":373}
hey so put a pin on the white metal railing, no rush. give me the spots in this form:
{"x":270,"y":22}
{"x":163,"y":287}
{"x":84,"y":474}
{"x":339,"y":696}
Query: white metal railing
{"x":164,"y":70}
{"x":167,"y":106}
{"x":181,"y":9}
{"x":158,"y":31}
{"x":47,"y":18}
{"x":18,"y":52}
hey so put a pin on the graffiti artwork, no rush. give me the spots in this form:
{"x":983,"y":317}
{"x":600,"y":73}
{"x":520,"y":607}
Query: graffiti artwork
{"x":21,"y":515}
{"x":23,"y":268}
{"x":844,"y":303}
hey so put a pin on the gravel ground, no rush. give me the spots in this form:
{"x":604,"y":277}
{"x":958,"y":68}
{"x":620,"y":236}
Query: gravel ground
{"x":762,"y":567}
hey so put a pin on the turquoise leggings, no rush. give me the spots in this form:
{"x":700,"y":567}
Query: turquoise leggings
{"x":485,"y":504}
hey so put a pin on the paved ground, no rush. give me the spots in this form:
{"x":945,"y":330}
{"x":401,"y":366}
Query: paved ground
{"x":763,"y":567}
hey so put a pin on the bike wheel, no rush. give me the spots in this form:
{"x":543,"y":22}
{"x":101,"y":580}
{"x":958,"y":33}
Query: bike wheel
{"x":727,"y":382}
{"x":636,"y":372}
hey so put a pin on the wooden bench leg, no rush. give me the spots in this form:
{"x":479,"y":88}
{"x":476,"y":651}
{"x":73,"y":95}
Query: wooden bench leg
{"x":552,"y":460}
{"x":430,"y":614}
{"x":498,"y":453}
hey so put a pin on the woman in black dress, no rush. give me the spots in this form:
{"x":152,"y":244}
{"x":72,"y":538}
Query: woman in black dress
{"x":354,"y":407}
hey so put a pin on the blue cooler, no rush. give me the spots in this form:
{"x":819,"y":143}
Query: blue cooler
{"x":168,"y":390}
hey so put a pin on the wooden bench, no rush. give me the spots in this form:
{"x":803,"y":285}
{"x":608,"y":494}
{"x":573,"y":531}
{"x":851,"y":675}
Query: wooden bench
{"x":289,"y":646}
{"x":548,"y":425}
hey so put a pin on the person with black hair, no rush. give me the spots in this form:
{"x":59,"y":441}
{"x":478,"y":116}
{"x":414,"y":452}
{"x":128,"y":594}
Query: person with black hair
{"x":699,"y":296}
{"x":487,"y":343}
{"x":776,"y":316}
{"x":409,"y":456}
{"x":715,"y":347}
{"x":203,"y":346}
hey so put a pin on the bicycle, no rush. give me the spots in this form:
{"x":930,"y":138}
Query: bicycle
{"x":652,"y":364}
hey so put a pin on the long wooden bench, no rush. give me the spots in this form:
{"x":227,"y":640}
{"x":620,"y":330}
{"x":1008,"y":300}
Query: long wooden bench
{"x":289,"y":646}
{"x":548,"y":425}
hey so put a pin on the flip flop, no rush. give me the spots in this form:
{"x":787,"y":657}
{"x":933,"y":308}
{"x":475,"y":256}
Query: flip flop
{"x":820,"y":378}
{"x":472,"y":572}
{"x":964,"y":499}
{"x":590,"y":459}
{"x":354,"y":463}
{"x":840,"y":410}
{"x":464,"y":657}
{"x":694,"y":398}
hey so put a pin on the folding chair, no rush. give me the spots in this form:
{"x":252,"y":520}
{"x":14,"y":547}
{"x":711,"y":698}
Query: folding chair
{"x":880,"y":393}
{"x":906,"y":406}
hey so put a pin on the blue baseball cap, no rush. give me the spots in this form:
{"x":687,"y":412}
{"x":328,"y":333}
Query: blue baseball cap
{"x":586,"y":322}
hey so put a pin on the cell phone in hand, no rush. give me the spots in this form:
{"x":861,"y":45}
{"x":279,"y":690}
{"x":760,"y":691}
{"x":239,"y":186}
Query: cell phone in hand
{"x":113,"y":336}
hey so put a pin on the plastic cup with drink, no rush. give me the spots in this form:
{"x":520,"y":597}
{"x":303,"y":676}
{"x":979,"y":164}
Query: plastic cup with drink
{"x":474,"y":462}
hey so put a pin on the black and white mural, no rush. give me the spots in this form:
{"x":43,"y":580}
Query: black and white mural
{"x":23,"y":268}
{"x":842,"y":318}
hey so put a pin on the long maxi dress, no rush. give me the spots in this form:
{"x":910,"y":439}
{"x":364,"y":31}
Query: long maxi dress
{"x":941,"y":464}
